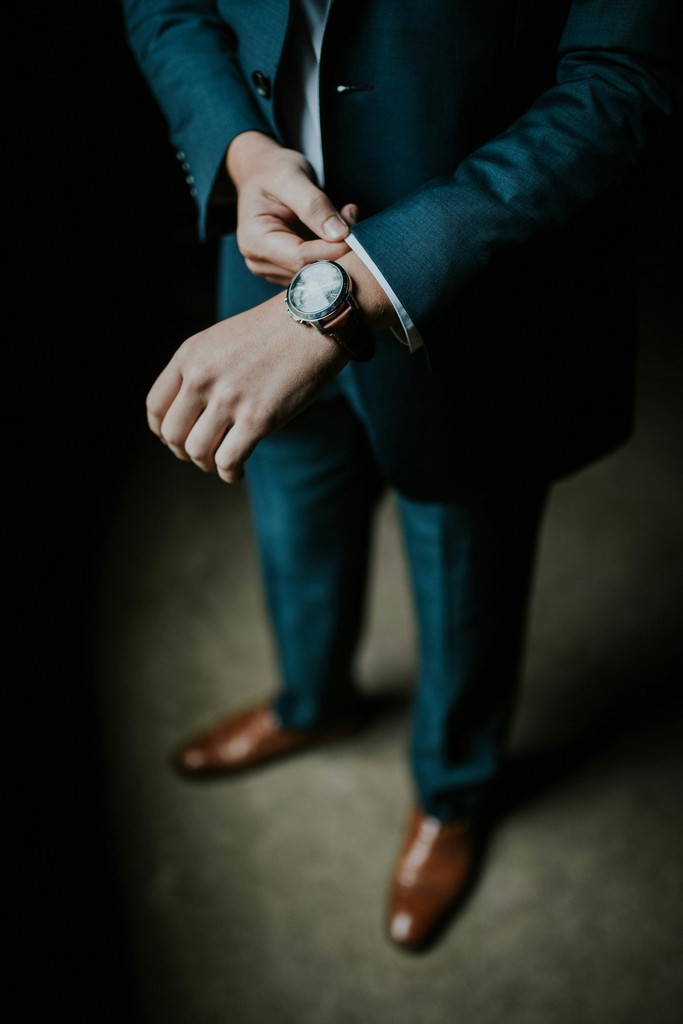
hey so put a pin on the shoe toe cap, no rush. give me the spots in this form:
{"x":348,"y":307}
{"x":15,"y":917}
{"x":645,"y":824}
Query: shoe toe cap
{"x":191,"y":759}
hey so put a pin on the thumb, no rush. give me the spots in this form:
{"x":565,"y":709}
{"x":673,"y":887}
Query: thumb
{"x":314,"y":209}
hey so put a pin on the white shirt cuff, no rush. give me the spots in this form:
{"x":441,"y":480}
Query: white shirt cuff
{"x":410,"y":335}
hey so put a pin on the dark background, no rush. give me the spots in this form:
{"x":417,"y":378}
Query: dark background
{"x":100,"y":234}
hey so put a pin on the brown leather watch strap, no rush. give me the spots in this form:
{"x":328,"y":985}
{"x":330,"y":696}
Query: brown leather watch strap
{"x":349,"y":331}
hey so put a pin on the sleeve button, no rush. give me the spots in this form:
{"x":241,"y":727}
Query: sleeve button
{"x":261,"y":84}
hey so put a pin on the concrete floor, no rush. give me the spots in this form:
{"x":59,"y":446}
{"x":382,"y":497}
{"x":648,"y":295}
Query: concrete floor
{"x":262,"y":899}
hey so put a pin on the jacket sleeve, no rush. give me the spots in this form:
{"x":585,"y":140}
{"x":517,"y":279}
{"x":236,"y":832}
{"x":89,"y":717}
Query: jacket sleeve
{"x":618,"y":81}
{"x":188,"y":55}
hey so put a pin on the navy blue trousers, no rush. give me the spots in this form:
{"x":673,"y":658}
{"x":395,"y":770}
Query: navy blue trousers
{"x":314,"y":486}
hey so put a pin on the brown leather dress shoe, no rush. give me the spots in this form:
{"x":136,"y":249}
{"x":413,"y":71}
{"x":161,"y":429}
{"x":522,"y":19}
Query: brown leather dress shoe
{"x":431,"y":875}
{"x":247,"y":739}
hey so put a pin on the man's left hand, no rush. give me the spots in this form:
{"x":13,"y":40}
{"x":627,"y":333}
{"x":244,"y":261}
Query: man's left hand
{"x":231,"y":385}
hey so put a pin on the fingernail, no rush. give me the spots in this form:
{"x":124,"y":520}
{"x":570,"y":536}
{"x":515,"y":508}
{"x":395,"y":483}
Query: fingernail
{"x":334,"y":227}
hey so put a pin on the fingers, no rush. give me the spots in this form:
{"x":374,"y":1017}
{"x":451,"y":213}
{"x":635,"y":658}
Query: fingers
{"x":161,"y":395}
{"x":177,"y":415}
{"x":205,"y":434}
{"x":216,"y":446}
{"x":283,"y":255}
{"x":179,"y":420}
{"x":205,"y":437}
{"x":315,"y":250}
{"x":285,"y":221}
{"x":350,"y":213}
{"x":314,"y":209}
{"x":235,"y":383}
{"x":234,"y":451}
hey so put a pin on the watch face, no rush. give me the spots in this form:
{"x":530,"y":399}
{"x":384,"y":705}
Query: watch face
{"x":316,"y":289}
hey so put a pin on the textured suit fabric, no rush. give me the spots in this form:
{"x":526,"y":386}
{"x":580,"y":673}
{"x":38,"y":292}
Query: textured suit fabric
{"x":492,"y":147}
{"x":313,"y":487}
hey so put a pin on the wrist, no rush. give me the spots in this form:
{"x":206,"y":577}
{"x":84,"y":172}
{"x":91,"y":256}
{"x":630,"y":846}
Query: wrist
{"x":323,"y":347}
{"x":374,"y":304}
{"x":245,"y":151}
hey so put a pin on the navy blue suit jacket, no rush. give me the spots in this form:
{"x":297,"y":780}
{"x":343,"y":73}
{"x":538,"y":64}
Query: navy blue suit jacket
{"x":492,"y":147}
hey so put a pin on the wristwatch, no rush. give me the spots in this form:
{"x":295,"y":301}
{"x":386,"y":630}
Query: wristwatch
{"x":320,"y":294}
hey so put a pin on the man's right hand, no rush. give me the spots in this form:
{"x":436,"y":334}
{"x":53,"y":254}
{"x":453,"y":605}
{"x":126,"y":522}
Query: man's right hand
{"x":284,"y":220}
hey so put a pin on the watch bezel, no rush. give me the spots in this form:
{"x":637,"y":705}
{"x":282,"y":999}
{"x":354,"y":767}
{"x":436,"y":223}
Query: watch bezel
{"x":322,"y":314}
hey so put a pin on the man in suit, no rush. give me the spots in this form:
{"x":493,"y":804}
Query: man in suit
{"x":446,"y":192}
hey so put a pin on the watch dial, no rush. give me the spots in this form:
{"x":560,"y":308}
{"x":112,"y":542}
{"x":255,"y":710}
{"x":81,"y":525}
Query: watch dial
{"x":316,"y":288}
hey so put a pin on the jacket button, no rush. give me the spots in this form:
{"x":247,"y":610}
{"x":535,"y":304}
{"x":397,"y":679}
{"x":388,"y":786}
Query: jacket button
{"x":261,"y":84}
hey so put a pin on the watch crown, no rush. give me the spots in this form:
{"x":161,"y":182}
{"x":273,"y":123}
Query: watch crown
{"x":291,"y":314}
